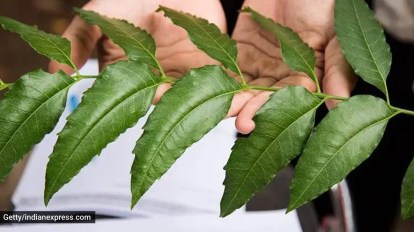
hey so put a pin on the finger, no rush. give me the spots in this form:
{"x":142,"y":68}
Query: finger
{"x":244,"y":121}
{"x":160,"y":92}
{"x":82,"y":37}
{"x":339,"y":77}
{"x":242,"y":98}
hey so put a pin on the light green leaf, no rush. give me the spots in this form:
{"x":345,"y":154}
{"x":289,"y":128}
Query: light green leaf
{"x":29,"y":111}
{"x":207,"y":37}
{"x":3,"y":85}
{"x":295,"y":52}
{"x":49,"y":45}
{"x":137,"y":43}
{"x":112,"y":105}
{"x":407,"y":193}
{"x":194,"y":105}
{"x":343,"y":140}
{"x":363,"y":42}
{"x":283,"y":126}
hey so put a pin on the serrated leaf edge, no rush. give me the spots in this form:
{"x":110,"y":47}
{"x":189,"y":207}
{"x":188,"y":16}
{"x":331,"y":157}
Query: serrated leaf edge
{"x":293,"y":205}
{"x":313,"y":109}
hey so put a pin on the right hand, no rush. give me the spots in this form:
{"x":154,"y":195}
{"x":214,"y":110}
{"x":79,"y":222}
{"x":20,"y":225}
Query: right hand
{"x":260,"y":57}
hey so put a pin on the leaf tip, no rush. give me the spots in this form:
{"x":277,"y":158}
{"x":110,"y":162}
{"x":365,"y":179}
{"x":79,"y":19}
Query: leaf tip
{"x":224,"y":213}
{"x":78,"y":10}
{"x":47,"y":197}
{"x":247,"y":9}
{"x":134,"y":201}
{"x":290,"y":208}
{"x":160,"y":8}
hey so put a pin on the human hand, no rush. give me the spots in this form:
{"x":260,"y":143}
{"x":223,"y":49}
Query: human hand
{"x":175,"y":51}
{"x":260,"y":57}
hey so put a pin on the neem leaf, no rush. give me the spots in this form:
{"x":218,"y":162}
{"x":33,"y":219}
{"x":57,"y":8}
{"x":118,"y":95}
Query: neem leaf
{"x":407,"y":193}
{"x":3,"y":85}
{"x":29,"y":111}
{"x":342,"y":141}
{"x":112,"y":105}
{"x":283,"y":126}
{"x":295,"y":52}
{"x":194,"y":105}
{"x":136,"y":42}
{"x":363,"y":42}
{"x":49,"y":45}
{"x":207,"y":37}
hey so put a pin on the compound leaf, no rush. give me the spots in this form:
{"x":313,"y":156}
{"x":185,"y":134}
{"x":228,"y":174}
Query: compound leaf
{"x":407,"y":193}
{"x":194,"y":105}
{"x":112,"y":105}
{"x":29,"y":111}
{"x":283,"y":126}
{"x":49,"y":45}
{"x":295,"y":52}
{"x":342,"y":141}
{"x":207,"y":37}
{"x":136,"y":43}
{"x":363,"y":42}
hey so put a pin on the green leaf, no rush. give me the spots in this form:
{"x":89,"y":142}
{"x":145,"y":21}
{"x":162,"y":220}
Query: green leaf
{"x":407,"y":193}
{"x":112,"y":105}
{"x":363,"y":42}
{"x":283,"y":126}
{"x":137,"y":43}
{"x":295,"y":52}
{"x":3,"y":85}
{"x":29,"y":111}
{"x":194,"y":105}
{"x":49,"y":45}
{"x":343,"y":140}
{"x":207,"y":37}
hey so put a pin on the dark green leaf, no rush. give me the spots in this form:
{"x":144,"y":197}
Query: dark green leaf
{"x":342,"y":141}
{"x":407,"y":193}
{"x":29,"y":111}
{"x":137,"y":43}
{"x":194,"y":105}
{"x":283,"y":126}
{"x":51,"y":46}
{"x":207,"y":37}
{"x":363,"y":42}
{"x":112,"y":105}
{"x":296,"y":53}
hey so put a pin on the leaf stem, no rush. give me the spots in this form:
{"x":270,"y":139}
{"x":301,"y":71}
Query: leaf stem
{"x":171,"y":79}
{"x":327,"y":96}
{"x":244,"y":83}
{"x":80,"y":77}
{"x":314,"y":77}
{"x":318,"y":94}
{"x":75,"y":69}
{"x":265,"y":88}
{"x":403,"y":111}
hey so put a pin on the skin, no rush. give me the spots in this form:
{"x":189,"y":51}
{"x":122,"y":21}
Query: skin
{"x":259,"y":53}
{"x":260,"y":57}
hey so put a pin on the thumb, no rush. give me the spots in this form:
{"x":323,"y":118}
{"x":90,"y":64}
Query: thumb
{"x":83,"y":38}
{"x":339,"y":78}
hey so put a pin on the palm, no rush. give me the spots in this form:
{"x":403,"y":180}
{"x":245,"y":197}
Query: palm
{"x":260,"y":57}
{"x":174,"y":49}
